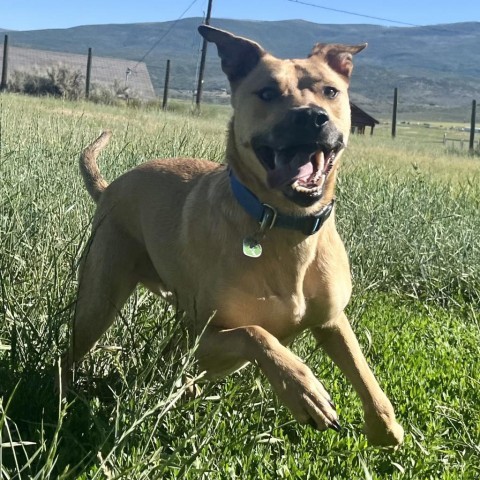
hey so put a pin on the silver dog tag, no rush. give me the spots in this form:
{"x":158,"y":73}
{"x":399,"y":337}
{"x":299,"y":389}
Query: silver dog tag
{"x":251,"y":247}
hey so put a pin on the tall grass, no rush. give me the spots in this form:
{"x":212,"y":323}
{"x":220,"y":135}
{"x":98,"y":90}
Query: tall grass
{"x":408,"y":213}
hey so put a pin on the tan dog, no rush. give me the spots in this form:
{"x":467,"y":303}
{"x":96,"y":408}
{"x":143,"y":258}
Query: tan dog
{"x":252,"y":243}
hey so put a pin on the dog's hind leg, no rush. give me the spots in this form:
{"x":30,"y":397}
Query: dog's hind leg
{"x":340,"y":343}
{"x":221,"y":351}
{"x":107,"y":278}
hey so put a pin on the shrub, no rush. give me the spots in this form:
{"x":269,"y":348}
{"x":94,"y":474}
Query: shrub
{"x":58,"y":81}
{"x":116,"y":94}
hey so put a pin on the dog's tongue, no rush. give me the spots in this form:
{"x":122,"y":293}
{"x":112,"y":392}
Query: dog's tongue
{"x":289,"y":169}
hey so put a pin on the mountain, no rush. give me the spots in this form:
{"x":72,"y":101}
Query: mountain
{"x":436,"y":68}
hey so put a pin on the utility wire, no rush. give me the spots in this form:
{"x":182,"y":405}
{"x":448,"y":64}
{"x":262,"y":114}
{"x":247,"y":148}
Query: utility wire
{"x":347,"y":12}
{"x":166,"y":33}
{"x":354,"y":13}
{"x":300,"y":2}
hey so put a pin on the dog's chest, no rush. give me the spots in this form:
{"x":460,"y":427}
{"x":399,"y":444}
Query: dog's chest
{"x":290,"y":287}
{"x":274,"y":301}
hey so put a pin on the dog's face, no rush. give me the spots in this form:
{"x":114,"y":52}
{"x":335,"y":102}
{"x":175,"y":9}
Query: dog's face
{"x":291,"y":117}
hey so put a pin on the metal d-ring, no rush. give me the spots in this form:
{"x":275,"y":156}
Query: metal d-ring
{"x":269,"y":217}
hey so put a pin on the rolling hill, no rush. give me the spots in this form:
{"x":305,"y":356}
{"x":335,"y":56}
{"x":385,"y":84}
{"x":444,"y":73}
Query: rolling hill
{"x":436,"y":68}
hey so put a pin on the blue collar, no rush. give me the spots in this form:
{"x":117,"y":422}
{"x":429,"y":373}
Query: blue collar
{"x":268,"y":217}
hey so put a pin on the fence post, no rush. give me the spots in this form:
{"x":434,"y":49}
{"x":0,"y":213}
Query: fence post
{"x":3,"y":82}
{"x":472,"y":127}
{"x":89,"y":68}
{"x":165,"y":87}
{"x":394,"y":116}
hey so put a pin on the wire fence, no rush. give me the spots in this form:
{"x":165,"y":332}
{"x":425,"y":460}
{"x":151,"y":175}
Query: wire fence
{"x":124,"y":78}
{"x":132,"y":80}
{"x":107,"y":73}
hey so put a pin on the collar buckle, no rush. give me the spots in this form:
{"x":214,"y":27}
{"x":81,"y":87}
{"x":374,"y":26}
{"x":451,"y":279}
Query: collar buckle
{"x":269,"y":217}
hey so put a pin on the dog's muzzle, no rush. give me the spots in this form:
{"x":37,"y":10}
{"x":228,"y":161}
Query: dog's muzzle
{"x":299,"y":153}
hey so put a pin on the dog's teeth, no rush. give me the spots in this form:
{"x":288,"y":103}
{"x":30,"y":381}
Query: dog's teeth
{"x":329,"y":163}
{"x":320,"y":160}
{"x":310,"y":191}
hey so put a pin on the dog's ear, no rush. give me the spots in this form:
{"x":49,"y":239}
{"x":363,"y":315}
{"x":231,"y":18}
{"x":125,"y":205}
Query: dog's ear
{"x":239,"y":55}
{"x":338,"y":57}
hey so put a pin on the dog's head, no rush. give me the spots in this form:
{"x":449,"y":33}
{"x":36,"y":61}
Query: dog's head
{"x":291,"y":117}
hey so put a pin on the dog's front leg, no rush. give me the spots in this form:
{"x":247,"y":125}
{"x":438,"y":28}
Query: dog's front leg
{"x":340,"y":343}
{"x":294,"y":383}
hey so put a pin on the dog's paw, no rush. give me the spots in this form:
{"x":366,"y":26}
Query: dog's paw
{"x":384,"y":434}
{"x":301,"y":392}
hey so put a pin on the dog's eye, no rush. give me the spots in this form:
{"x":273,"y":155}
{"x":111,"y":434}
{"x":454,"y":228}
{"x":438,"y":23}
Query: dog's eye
{"x":330,"y":92}
{"x":268,"y":94}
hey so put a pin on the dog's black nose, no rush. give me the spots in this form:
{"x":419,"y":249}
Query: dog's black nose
{"x":321,"y":117}
{"x":310,"y":117}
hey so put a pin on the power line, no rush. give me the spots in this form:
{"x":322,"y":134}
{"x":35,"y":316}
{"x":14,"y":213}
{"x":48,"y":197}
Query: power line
{"x":166,"y":33}
{"x":354,"y":13}
{"x":435,"y":28}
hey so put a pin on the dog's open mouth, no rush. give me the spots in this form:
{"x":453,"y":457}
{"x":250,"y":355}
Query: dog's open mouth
{"x":302,"y":168}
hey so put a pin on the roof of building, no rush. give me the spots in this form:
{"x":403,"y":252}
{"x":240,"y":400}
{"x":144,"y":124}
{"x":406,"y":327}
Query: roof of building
{"x":360,"y":117}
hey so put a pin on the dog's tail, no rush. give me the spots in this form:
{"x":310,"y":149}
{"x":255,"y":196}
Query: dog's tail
{"x":92,"y":177}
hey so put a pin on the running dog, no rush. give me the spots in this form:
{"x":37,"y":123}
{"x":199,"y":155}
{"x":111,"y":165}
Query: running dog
{"x":248,"y":249}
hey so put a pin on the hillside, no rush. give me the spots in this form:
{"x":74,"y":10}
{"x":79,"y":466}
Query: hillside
{"x":436,"y":68}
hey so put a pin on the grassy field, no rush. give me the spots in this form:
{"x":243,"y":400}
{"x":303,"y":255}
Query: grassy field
{"x":409,"y":214}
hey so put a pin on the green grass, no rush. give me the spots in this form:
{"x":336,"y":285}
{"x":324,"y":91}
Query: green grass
{"x":408,"y":212}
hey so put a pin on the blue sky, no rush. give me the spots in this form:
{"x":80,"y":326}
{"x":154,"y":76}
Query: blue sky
{"x":40,"y":14}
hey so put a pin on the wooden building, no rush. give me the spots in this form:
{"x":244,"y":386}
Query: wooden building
{"x":361,"y":120}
